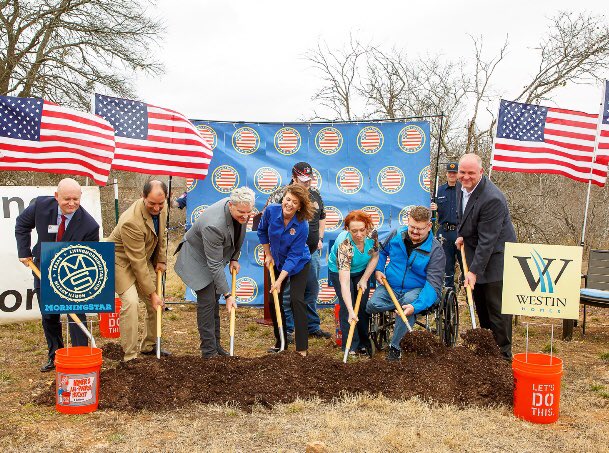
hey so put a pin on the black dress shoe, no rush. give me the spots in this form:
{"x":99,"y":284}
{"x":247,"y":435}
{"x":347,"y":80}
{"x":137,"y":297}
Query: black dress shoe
{"x":164,"y":353}
{"x":49,"y":366}
{"x":221,"y":351}
{"x":273,"y":350}
{"x":209,"y":355}
{"x":320,"y":334}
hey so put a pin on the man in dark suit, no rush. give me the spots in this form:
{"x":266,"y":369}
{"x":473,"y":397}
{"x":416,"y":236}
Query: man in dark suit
{"x":484,"y":228}
{"x":56,"y":219}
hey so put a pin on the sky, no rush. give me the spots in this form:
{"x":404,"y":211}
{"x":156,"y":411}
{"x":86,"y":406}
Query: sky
{"x":245,"y":60}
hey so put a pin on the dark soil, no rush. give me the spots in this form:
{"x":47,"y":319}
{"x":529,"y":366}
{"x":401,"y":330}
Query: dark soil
{"x":481,"y":342}
{"x":464,"y":375}
{"x":113,"y":351}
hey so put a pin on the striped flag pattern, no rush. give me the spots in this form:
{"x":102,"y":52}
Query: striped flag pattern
{"x":154,"y":140}
{"x":245,"y":139}
{"x":268,"y":179}
{"x":370,"y":140}
{"x":411,"y":138}
{"x":602,"y":154}
{"x":328,"y":140}
{"x":287,"y":140}
{"x":350,"y":179}
{"x":37,"y":135}
{"x":537,"y":139}
{"x":226,"y":178}
{"x":244,"y":289}
{"x":391,"y":178}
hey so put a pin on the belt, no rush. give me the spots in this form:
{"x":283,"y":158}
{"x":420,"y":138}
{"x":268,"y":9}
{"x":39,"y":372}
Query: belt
{"x":449,"y":227}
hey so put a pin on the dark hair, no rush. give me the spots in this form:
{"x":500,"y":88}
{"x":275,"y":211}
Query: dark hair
{"x":306,"y":210}
{"x":359,"y":216}
{"x":152,"y":184}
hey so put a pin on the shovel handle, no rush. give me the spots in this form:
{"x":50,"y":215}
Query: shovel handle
{"x":398,"y":307}
{"x":352,"y":324}
{"x":159,"y":291}
{"x":468,"y":290}
{"x":233,"y":294}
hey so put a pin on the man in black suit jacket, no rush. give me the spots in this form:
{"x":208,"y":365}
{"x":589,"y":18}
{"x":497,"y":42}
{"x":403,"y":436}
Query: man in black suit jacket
{"x":56,"y":219}
{"x":484,"y":228}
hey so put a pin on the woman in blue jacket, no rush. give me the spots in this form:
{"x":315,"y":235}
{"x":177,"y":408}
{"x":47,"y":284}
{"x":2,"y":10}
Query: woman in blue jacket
{"x":283,"y":232}
{"x":352,"y":261}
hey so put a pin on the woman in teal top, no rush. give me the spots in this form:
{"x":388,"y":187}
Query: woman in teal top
{"x":352,"y":261}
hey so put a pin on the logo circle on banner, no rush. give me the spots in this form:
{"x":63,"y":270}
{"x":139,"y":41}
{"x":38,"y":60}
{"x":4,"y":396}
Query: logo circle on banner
{"x":246,"y":140}
{"x":246,"y":290}
{"x":316,"y":181}
{"x":209,"y":134}
{"x":390,"y":179}
{"x":327,"y":295}
{"x":425,"y":179}
{"x":78,"y":273}
{"x":349,"y":180}
{"x":411,"y":139}
{"x":196,"y":212}
{"x":334,"y":218}
{"x":191,"y":183}
{"x":403,"y":217}
{"x":328,"y":141}
{"x":259,"y":255}
{"x":267,"y":180}
{"x":250,"y":222}
{"x":287,"y":141}
{"x":225,"y":178}
{"x":370,"y":140}
{"x":378,"y":218}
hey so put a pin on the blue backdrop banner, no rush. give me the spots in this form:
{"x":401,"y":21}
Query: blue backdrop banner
{"x":382,"y":168}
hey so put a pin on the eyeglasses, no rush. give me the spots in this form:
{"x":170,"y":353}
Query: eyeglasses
{"x":417,"y":229}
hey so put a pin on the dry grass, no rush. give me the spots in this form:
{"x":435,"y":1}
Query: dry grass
{"x":361,"y":423}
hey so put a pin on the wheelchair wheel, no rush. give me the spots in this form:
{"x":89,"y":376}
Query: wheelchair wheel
{"x":381,"y":329}
{"x":449,"y":318}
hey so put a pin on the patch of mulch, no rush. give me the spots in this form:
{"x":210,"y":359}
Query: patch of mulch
{"x":481,"y":342}
{"x":459,"y":376}
{"x":422,"y":343}
{"x":113,"y":351}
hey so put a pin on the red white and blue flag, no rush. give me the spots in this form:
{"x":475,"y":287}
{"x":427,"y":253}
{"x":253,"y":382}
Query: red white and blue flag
{"x":537,"y":139}
{"x":602,"y":153}
{"x":154,"y":140}
{"x":38,"y":135}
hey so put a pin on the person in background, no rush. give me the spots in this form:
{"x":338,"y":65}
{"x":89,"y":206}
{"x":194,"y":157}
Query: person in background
{"x":302,"y":174}
{"x":283,"y":233}
{"x":415,"y":273}
{"x":213,"y":241}
{"x":352,"y":261}
{"x":56,"y":219}
{"x":140,"y":251}
{"x":446,"y":206}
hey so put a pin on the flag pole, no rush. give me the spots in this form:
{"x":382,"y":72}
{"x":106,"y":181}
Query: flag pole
{"x":598,"y":133}
{"x":490,"y":164}
{"x":167,"y":229}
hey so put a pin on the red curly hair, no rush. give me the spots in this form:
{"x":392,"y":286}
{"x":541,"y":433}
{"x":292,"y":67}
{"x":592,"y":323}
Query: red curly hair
{"x":359,"y":216}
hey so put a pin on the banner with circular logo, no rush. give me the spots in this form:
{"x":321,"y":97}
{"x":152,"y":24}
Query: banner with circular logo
{"x":225,"y":179}
{"x":246,"y":140}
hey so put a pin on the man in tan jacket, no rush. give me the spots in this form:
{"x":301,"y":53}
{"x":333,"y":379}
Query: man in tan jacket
{"x":141,"y":250}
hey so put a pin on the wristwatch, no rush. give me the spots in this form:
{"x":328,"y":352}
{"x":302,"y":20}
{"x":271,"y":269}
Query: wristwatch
{"x":227,"y":295}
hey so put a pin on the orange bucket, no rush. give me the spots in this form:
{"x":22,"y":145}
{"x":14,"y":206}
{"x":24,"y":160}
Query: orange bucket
{"x":339,"y":334}
{"x":537,"y":387}
{"x":77,"y":379}
{"x":109,"y":326}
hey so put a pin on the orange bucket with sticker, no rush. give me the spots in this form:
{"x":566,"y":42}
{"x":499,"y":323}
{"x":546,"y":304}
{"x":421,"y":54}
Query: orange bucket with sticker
{"x":109,"y":325}
{"x":77,"y":379}
{"x":537,"y":380}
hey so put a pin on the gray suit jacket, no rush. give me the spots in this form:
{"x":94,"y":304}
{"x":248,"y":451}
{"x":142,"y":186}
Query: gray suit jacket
{"x":485,"y":227}
{"x":208,"y":247}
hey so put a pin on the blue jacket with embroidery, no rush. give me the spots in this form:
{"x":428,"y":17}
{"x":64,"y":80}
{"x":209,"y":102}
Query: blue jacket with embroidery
{"x":424,"y":268}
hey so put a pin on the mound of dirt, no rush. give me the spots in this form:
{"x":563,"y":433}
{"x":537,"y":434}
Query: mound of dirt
{"x":454,"y":376}
{"x":113,"y":351}
{"x":481,"y":342}
{"x":422,"y":343}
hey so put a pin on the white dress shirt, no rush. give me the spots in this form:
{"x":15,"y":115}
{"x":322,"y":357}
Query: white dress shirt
{"x":466,"y":196}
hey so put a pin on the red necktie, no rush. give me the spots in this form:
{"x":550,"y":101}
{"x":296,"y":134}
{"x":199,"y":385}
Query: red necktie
{"x":62,"y":228}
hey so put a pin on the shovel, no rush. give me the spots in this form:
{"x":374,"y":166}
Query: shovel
{"x":398,"y":307}
{"x":159,"y":311}
{"x":277,"y":310}
{"x":74,"y":318}
{"x":232,"y":313}
{"x":352,"y":324}
{"x":468,"y":290}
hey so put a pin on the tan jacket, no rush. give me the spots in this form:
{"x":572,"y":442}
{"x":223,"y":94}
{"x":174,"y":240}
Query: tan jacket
{"x":137,"y":247}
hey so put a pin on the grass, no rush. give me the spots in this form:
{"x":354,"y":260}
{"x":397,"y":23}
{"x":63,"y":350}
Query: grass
{"x":350,"y":423}
{"x":547,"y":348}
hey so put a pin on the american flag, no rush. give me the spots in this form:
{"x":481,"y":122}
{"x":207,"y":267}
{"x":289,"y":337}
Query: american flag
{"x":288,"y":140}
{"x":349,"y":179}
{"x":376,"y":214}
{"x":37,"y":135}
{"x":225,"y":177}
{"x":426,"y":178}
{"x":602,"y":154}
{"x":154,"y":140}
{"x":370,"y":138}
{"x":391,"y":178}
{"x":334,"y":218}
{"x":329,"y":139}
{"x":268,"y":179}
{"x":316,"y":180}
{"x":208,"y":135}
{"x":245,"y":139}
{"x":245,"y":289}
{"x":327,"y":295}
{"x":411,"y":138}
{"x":538,"y":139}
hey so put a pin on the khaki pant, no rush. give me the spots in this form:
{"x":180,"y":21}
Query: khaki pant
{"x":129,"y":321}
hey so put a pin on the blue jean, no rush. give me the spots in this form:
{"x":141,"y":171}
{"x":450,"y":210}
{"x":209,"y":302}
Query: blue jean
{"x":381,"y":301}
{"x":452,"y":255}
{"x":310,"y":297}
{"x":360,"y":333}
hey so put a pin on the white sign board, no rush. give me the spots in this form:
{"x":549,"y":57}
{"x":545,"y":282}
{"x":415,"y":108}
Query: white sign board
{"x":17,"y":299}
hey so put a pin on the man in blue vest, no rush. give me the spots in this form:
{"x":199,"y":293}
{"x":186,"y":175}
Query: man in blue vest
{"x":446,"y":206}
{"x":415,"y":273}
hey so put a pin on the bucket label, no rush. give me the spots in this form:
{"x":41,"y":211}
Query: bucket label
{"x":76,"y":389}
{"x":542,"y":404}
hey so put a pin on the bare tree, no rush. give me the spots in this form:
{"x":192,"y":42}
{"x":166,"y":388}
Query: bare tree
{"x":59,"y":49}
{"x":576,"y":50}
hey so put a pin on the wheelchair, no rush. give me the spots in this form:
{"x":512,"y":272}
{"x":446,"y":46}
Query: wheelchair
{"x":441,"y":319}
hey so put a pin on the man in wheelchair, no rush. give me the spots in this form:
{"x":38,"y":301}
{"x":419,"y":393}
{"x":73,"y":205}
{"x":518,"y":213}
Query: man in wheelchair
{"x":415,"y":272}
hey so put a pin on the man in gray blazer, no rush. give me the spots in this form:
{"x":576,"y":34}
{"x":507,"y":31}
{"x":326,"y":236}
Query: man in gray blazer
{"x":484,"y":228}
{"x":213,"y":241}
